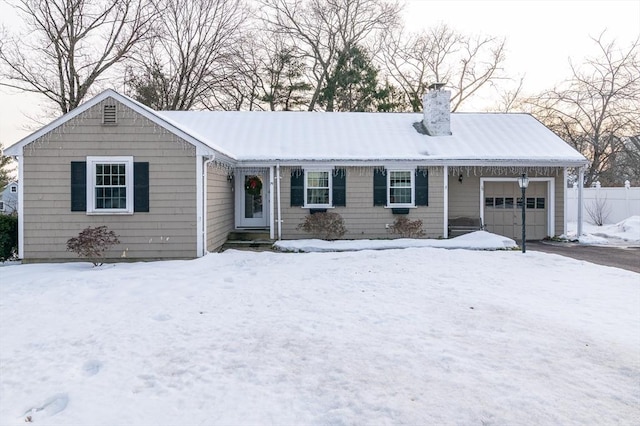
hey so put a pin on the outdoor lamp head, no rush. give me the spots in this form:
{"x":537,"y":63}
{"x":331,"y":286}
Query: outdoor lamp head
{"x":523,"y":181}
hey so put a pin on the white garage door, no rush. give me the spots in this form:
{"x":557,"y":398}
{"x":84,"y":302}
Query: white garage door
{"x":503,"y":209}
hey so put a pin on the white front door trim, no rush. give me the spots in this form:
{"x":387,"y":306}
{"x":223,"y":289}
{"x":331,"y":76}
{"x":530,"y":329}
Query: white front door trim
{"x":242,"y":222}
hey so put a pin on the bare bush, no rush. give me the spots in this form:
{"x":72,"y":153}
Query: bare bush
{"x":92,"y":243}
{"x":407,"y":228}
{"x":598,"y":211}
{"x":326,"y":225}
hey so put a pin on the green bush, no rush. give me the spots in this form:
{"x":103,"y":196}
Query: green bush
{"x":8,"y":237}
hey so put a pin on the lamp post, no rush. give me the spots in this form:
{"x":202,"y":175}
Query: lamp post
{"x":523,"y":182}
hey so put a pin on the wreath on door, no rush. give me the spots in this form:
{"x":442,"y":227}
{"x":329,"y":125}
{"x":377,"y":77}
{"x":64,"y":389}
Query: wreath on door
{"x":253,"y":185}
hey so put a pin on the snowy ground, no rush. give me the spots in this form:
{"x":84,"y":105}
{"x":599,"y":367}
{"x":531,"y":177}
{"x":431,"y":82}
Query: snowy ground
{"x":411,"y":336}
{"x":621,"y":233}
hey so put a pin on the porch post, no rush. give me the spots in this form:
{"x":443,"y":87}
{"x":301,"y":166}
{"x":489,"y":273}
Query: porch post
{"x":279,"y":184}
{"x":580,"y":191}
{"x":271,"y":199}
{"x":445,"y":200}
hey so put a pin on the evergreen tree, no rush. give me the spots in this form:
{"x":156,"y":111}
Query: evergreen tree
{"x":5,"y":162}
{"x":353,"y":85}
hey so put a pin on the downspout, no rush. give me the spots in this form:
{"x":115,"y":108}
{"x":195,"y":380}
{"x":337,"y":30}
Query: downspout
{"x":580,"y":188}
{"x":278,"y":177}
{"x":272,"y":189}
{"x":203,"y":230}
{"x":565,"y":195}
{"x":445,"y":229}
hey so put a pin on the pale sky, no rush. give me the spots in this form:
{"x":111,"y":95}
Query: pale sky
{"x":541,"y":37}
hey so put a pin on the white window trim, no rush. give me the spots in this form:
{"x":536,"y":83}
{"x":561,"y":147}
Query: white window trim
{"x":412,"y":173}
{"x":91,"y":187}
{"x":14,"y":189}
{"x":319,"y":206}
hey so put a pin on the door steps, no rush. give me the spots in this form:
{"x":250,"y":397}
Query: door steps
{"x":248,"y":239}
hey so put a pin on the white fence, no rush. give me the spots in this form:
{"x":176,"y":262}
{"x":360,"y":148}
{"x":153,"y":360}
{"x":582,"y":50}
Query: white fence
{"x":615,"y":204}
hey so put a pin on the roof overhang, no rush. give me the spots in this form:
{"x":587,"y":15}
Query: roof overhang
{"x":413,"y":162}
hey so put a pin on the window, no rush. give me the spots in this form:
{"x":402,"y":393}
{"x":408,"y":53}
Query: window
{"x":14,"y":189}
{"x":317,"y":188}
{"x":400,"y":187}
{"x":1,"y":206}
{"x":110,"y":184}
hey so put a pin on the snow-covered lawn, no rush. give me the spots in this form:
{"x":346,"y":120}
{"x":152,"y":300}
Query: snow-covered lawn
{"x":624,"y":232}
{"x":415,"y":336}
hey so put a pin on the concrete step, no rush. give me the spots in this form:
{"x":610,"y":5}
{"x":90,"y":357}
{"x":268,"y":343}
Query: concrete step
{"x":249,"y":235}
{"x":253,"y":245}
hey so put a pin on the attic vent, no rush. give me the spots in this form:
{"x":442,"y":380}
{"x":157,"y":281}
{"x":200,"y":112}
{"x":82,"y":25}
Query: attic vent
{"x":109,"y":114}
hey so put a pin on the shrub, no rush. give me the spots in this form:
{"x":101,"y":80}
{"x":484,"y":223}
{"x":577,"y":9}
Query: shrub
{"x":407,"y":228}
{"x":598,"y":211}
{"x":91,"y":243}
{"x":326,"y":225}
{"x":8,"y":237}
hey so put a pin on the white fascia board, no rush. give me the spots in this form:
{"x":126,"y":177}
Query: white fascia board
{"x":412,"y":163}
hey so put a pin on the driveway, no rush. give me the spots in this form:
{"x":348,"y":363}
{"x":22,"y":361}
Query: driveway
{"x":625,"y":257}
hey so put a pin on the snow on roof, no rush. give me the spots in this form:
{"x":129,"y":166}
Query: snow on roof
{"x":477,"y":138}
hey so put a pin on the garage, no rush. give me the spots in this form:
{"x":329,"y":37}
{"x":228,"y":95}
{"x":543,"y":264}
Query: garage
{"x":503,"y":209}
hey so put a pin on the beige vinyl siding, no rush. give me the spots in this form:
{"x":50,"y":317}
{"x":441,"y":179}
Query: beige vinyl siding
{"x":220,"y":207}
{"x":362,"y":219}
{"x":464,"y":198}
{"x":168,"y":230}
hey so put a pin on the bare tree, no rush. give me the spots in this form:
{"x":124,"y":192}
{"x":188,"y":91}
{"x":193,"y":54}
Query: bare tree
{"x":323,"y":29}
{"x":285,"y":86}
{"x":510,"y":99}
{"x":596,"y":109}
{"x":70,"y":45}
{"x":267,"y":73}
{"x":194,"y":41}
{"x":440,"y":54}
{"x":239,"y":83}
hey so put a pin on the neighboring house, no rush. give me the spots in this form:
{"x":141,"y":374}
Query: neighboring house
{"x":9,"y":198}
{"x":176,"y":184}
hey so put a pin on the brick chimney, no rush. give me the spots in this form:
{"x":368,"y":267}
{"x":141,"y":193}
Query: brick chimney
{"x":437,"y":110}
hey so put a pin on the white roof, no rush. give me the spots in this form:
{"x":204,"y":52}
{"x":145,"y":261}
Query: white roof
{"x":349,"y":137}
{"x":482,"y":138}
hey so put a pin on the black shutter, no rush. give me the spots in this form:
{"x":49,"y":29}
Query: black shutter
{"x":379,"y":188}
{"x":78,"y":186}
{"x":422,"y":188}
{"x":297,"y":188}
{"x":339,"y":187}
{"x":141,"y":187}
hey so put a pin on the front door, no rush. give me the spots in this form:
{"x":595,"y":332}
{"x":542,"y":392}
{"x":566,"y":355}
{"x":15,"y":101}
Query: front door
{"x":252,"y":199}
